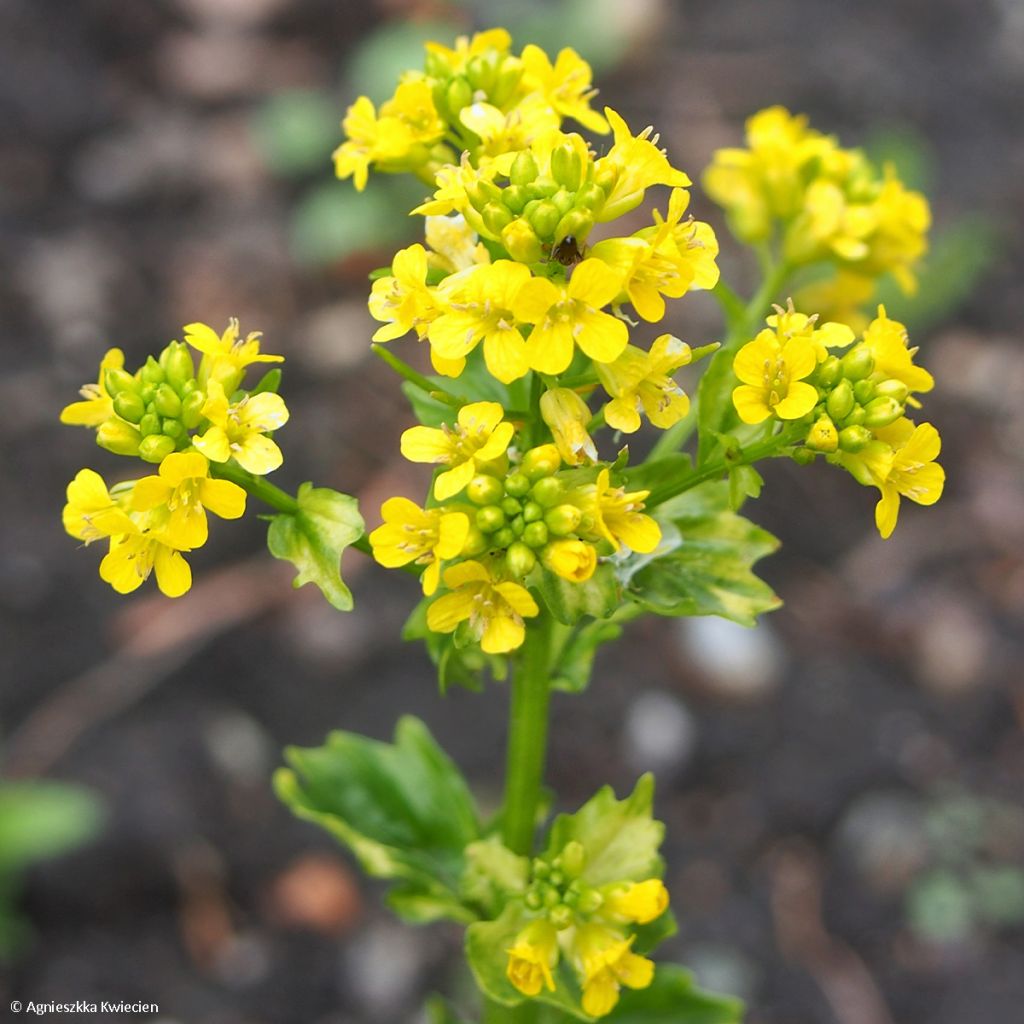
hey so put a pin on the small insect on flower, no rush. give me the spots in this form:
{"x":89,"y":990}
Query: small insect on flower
{"x":568,"y":251}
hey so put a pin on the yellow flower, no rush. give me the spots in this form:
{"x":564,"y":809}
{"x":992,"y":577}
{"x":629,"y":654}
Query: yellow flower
{"x":607,"y":963}
{"x":566,"y":84}
{"x":98,"y":406}
{"x":225,"y":355}
{"x":134,"y":556}
{"x":502,"y":132}
{"x":453,"y":243}
{"x":184,"y":486}
{"x":662,"y":260}
{"x":634,"y":164}
{"x":568,"y":415}
{"x":772,"y":372}
{"x":617,"y":516}
{"x":642,"y":381}
{"x":914,"y":473}
{"x":788,"y":323}
{"x":573,"y":560}
{"x":424,"y":536}
{"x":403,"y":301}
{"x":479,"y":305}
{"x":637,"y":902}
{"x":567,"y":315}
{"x":91,"y":512}
{"x":466,"y":48}
{"x":900,"y":239}
{"x":886,"y":340}
{"x":238,"y":431}
{"x":478,"y":435}
{"x":494,"y":609}
{"x":839,"y":298}
{"x":531,"y":958}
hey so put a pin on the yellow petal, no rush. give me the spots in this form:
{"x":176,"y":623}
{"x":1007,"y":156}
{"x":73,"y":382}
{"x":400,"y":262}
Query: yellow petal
{"x":445,"y":614}
{"x":454,"y":480}
{"x":595,"y":283}
{"x":173,"y":575}
{"x":502,"y":633}
{"x":214,"y":445}
{"x":799,"y":401}
{"x":149,"y":492}
{"x":179,"y":466}
{"x":887,"y":510}
{"x":750,"y":404}
{"x":426,"y":444}
{"x":602,"y":336}
{"x":258,"y":454}
{"x":505,"y":355}
{"x":223,"y":498}
{"x":451,"y":535}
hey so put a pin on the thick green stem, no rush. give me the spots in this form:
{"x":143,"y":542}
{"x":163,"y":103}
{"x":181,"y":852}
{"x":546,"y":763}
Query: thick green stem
{"x":527,"y":738}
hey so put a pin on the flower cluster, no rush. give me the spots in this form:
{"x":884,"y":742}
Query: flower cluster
{"x":505,"y":517}
{"x":853,"y":401}
{"x":182,"y":418}
{"x":589,"y":925}
{"x":825,"y":204}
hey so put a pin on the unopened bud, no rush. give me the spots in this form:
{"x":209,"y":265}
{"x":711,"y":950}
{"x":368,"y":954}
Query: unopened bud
{"x":524,"y":169}
{"x":490,"y":518}
{"x":856,"y":418}
{"x":840,"y":401}
{"x":517,"y":485}
{"x":893,"y":388}
{"x":802,"y":456}
{"x":561,"y":917}
{"x":576,"y":223}
{"x":563,"y":519}
{"x":476,"y":543}
{"x":496,"y":216}
{"x":880,"y":412}
{"x":590,"y":901}
{"x":118,"y":437}
{"x":590,"y":197}
{"x":116,"y":381}
{"x":129,"y":406}
{"x":573,"y":857}
{"x":481,"y":71}
{"x":857,"y":363}
{"x":566,"y":166}
{"x":544,"y":218}
{"x":149,"y":424}
{"x":522,"y":242}
{"x":459,"y":94}
{"x":829,"y":372}
{"x":864,"y":391}
{"x":484,"y":490}
{"x":853,"y":439}
{"x":178,"y":365}
{"x":510,"y":506}
{"x":535,"y":535}
{"x":543,"y":460}
{"x":192,"y":409}
{"x":514,"y":198}
{"x":167,"y":401}
{"x":532,"y":511}
{"x":520,"y":559}
{"x":506,"y":81}
{"x":503,"y":538}
{"x":156,"y":448}
{"x":172,"y":428}
{"x":480,"y":193}
{"x":153,"y":372}
{"x":547,"y":492}
{"x":605,"y":177}
{"x":823,"y":436}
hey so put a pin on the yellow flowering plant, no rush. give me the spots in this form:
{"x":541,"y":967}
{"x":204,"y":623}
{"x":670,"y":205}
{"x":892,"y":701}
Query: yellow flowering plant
{"x":542,"y":532}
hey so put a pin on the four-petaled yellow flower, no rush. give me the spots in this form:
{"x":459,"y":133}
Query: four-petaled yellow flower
{"x":91,"y":512}
{"x":134,"y":556}
{"x":479,"y":307}
{"x":914,"y":473}
{"x":239,"y":431}
{"x":98,"y":406}
{"x":424,"y":536}
{"x":227,"y":355}
{"x":479,"y":435}
{"x":567,"y":315}
{"x":607,"y":963}
{"x":531,"y":958}
{"x":617,"y":516}
{"x":886,"y":340}
{"x":772,"y":372}
{"x":494,"y":609}
{"x":565,"y":85}
{"x":641,"y":381}
{"x":788,"y":323}
{"x":184,"y":488}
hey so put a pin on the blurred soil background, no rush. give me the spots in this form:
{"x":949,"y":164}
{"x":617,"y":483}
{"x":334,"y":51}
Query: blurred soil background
{"x":841,"y":785}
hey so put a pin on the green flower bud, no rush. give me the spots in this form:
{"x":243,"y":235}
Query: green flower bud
{"x":864,"y":391}
{"x":496,"y":216}
{"x":829,"y":372}
{"x":576,"y":223}
{"x":506,"y":82}
{"x":504,"y":537}
{"x":476,"y":543}
{"x":484,"y":490}
{"x":802,"y":456}
{"x":532,"y":511}
{"x":524,"y":169}
{"x":573,"y":857}
{"x":853,"y":439}
{"x":561,"y":917}
{"x":533,"y":900}
{"x":514,"y":198}
{"x":156,"y":448}
{"x":541,"y":461}
{"x":153,"y":372}
{"x":518,"y":524}
{"x":481,"y":192}
{"x":116,"y":381}
{"x":840,"y":401}
{"x":178,"y":365}
{"x":590,"y":197}
{"x":511,"y":507}
{"x":118,"y":437}
{"x":481,"y":71}
{"x":435,"y":66}
{"x":520,"y":559}
{"x":605,"y":177}
{"x":547,"y":492}
{"x":542,"y":188}
{"x":587,"y":523}
{"x":823,"y":436}
{"x":490,"y":518}
{"x":551,"y":898}
{"x":545,"y":218}
{"x":150,"y":424}
{"x":192,"y":409}
{"x":129,"y":406}
{"x":563,"y":519}
{"x":563,"y":200}
{"x":535,"y":535}
{"x":880,"y":412}
{"x":566,"y":166}
{"x":459,"y":94}
{"x":172,"y":428}
{"x":893,"y":388}
{"x":590,"y":902}
{"x":167,"y":401}
{"x":857,"y":363}
{"x":856,"y":418}
{"x":522,"y":242}
{"x":517,"y":484}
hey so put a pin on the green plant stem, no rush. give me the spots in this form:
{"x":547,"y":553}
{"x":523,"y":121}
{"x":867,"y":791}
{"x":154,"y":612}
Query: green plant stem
{"x":416,"y":378}
{"x":742,"y":457}
{"x":527,"y":738}
{"x":270,"y":494}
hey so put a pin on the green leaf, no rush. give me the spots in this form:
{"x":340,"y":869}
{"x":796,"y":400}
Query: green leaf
{"x":704,"y":565}
{"x":438,"y":1011}
{"x":714,"y":400}
{"x":674,"y":998}
{"x":575,"y":662}
{"x":314,"y":537}
{"x":403,"y":809}
{"x":744,"y":482}
{"x":44,"y":819}
{"x":569,"y":602}
{"x":645,"y":476}
{"x":492,"y":876}
{"x":620,"y":838}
